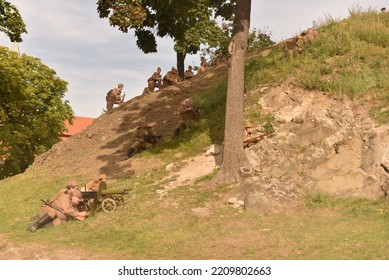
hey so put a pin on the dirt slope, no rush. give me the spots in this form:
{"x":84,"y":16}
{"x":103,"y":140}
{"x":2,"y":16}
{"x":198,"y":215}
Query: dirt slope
{"x":101,"y":148}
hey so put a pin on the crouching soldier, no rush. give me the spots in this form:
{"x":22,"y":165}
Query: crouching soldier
{"x":189,"y":114}
{"x":58,"y":209}
{"x":115,"y":96}
{"x":144,"y":138}
{"x":91,"y":192}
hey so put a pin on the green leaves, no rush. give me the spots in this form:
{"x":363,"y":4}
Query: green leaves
{"x":189,"y":23}
{"x":11,"y":23}
{"x":32,"y":112}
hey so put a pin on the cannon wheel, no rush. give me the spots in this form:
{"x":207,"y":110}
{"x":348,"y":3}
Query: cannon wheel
{"x":108,"y":205}
{"x":118,"y":199}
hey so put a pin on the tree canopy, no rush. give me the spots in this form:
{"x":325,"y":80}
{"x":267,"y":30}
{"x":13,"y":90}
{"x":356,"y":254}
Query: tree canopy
{"x":11,"y":23}
{"x":32,"y":112}
{"x":189,"y":23}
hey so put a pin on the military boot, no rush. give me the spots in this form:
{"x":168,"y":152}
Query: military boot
{"x":176,"y":132}
{"x":42,"y":221}
{"x":130,"y":152}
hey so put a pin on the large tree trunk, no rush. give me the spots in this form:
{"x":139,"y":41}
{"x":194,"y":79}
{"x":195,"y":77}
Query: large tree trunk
{"x":181,"y":64}
{"x":234,"y":157}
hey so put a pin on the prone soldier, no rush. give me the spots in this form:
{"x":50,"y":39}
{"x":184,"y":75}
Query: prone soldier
{"x":248,"y":138}
{"x":58,"y":209}
{"x":145,"y":137}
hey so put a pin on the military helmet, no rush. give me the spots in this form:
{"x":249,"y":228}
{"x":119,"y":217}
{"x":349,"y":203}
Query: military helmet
{"x":187,"y":102}
{"x":72,"y":184}
{"x":77,"y":193}
{"x":174,"y":70}
{"x":249,"y":125}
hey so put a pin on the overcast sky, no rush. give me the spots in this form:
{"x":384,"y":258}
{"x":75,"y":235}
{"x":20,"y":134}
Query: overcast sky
{"x":93,"y":57}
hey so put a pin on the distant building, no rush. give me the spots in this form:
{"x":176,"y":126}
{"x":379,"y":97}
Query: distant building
{"x":79,"y":124}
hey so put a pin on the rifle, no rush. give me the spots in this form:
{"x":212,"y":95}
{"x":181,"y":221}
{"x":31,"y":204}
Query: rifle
{"x":385,"y":168}
{"x":198,"y":109}
{"x":153,"y":139}
{"x":56,"y":208}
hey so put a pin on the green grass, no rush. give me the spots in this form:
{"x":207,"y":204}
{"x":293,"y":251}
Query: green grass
{"x":348,"y":59}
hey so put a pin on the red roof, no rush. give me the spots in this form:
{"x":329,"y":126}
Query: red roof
{"x":79,"y":124}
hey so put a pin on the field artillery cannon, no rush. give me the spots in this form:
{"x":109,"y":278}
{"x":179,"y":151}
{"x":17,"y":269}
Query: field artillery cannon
{"x":104,"y":199}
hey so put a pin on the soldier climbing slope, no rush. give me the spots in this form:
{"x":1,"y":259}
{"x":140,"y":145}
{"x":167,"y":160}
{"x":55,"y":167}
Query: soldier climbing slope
{"x":114,"y":96}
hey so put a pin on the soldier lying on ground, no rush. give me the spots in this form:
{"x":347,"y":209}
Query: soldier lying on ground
{"x":144,"y":138}
{"x":249,"y":139}
{"x":59,"y":208}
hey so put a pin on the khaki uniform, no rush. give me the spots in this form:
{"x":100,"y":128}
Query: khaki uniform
{"x":154,"y":81}
{"x":170,"y":78}
{"x":203,"y":65}
{"x":219,"y":58}
{"x":188,"y":74}
{"x":62,"y":201}
{"x":114,"y":96}
{"x":188,"y":115}
{"x":140,"y":134}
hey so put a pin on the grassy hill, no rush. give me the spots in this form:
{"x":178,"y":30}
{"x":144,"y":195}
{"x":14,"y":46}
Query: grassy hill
{"x":348,"y":61}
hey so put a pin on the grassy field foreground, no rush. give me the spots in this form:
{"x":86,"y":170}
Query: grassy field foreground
{"x":153,"y":227}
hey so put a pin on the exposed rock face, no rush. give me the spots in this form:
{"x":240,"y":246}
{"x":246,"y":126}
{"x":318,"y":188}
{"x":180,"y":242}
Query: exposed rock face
{"x":321,"y":144}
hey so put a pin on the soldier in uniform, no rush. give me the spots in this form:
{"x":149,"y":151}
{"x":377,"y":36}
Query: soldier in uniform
{"x":144,"y":138}
{"x":114,"y":96}
{"x":248,"y":138}
{"x":96,"y":186}
{"x":203,"y":65}
{"x":189,"y":73}
{"x":219,"y":58}
{"x":154,"y":81}
{"x":171,"y":77}
{"x":189,"y":114}
{"x":59,"y":209}
{"x":69,"y":189}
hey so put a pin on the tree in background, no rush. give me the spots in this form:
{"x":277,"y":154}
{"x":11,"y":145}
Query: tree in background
{"x":32,"y":112}
{"x":11,"y":23}
{"x":234,"y":157}
{"x":258,"y":40}
{"x":189,"y":23}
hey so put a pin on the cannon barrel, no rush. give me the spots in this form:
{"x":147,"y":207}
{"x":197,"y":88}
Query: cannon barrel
{"x":115,"y":191}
